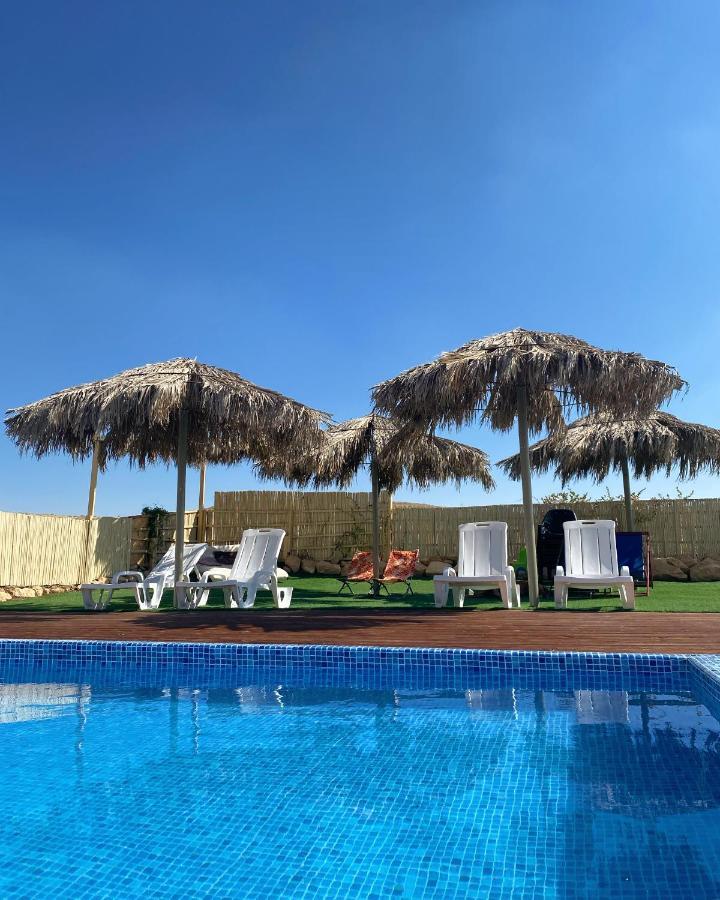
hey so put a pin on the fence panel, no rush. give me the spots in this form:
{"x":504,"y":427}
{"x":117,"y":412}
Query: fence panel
{"x":319,"y":525}
{"x":44,"y":550}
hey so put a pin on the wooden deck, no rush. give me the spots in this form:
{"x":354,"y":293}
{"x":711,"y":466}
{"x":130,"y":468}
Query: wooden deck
{"x":500,"y":629}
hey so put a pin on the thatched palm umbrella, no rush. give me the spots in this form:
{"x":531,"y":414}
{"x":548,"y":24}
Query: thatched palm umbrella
{"x":595,"y":445}
{"x":393,"y":454}
{"x":180,"y":411}
{"x":528,"y":376}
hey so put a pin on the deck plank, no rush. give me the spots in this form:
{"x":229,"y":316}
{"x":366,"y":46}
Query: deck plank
{"x":497,"y":629}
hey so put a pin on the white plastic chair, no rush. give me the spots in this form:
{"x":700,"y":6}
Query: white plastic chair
{"x":147,"y":589}
{"x":254,"y":569}
{"x":591,"y":561}
{"x":482,"y":563}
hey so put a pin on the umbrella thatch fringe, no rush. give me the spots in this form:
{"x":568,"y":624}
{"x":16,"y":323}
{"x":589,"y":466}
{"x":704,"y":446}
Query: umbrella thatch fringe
{"x":481,"y":380}
{"x":402,"y":455}
{"x":593,"y":446}
{"x":136,"y":414}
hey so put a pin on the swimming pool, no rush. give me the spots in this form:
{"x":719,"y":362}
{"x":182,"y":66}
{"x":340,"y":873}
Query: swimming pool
{"x":172,"y":770}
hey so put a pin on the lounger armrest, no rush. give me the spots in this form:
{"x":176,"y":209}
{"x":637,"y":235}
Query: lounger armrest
{"x":559,"y":571}
{"x":137,"y":576}
{"x":264,"y":575}
{"x":449,"y":572}
{"x":625,"y":570}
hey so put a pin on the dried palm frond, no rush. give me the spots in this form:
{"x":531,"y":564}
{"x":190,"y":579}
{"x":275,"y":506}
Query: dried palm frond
{"x":136,"y":414}
{"x":402,"y":455}
{"x":595,"y":445}
{"x":481,"y":380}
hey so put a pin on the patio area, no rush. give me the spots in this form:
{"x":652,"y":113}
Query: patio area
{"x":676,"y":618}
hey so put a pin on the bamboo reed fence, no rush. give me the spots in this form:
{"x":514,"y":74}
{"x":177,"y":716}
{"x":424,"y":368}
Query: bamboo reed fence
{"x":328,"y":525}
{"x":676,"y":527}
{"x":44,"y":549}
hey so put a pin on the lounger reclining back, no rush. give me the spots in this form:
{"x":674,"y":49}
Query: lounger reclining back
{"x":590,"y":548}
{"x":483,"y":549}
{"x":258,"y":552}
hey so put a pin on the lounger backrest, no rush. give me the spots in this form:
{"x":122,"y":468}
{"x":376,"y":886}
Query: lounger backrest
{"x":258,"y":552}
{"x":590,"y":547}
{"x":483,"y":549}
{"x":166,"y":565}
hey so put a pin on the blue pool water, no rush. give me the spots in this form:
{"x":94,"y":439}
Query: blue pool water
{"x":130,"y":781}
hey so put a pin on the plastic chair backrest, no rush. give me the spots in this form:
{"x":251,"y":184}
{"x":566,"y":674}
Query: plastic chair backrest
{"x":483,"y":549}
{"x":258,"y":552}
{"x":166,"y":565}
{"x":590,"y":547}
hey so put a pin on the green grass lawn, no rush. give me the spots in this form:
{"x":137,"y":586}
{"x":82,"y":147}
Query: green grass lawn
{"x":321,"y":593}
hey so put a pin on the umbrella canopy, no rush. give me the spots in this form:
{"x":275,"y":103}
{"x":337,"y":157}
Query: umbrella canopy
{"x":531,"y":377}
{"x":596,"y":445}
{"x":401,"y":455}
{"x":137,"y":413}
{"x":395,"y":454}
{"x":178,"y":411}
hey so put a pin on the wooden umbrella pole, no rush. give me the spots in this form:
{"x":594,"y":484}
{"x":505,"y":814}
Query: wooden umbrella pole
{"x":93,"y":479}
{"x":200,"y":529}
{"x":180,"y":502}
{"x":86,"y":574}
{"x":374,"y":476}
{"x":532,"y":569}
{"x":629,"y":513}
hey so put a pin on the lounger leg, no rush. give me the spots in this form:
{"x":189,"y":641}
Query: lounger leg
{"x":459,"y":596}
{"x":441,"y":593}
{"x":628,"y":595}
{"x":559,"y":598}
{"x":274,"y":590}
{"x":505,"y":594}
{"x":513,"y":590}
{"x":249,"y":600}
{"x":93,"y":605}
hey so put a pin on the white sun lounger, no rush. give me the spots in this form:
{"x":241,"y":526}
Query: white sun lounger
{"x":591,"y":561}
{"x":482,"y":563}
{"x":147,"y":589}
{"x":254,"y":569}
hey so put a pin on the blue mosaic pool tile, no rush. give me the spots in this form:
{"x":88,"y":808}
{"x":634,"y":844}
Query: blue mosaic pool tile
{"x":218,"y":664}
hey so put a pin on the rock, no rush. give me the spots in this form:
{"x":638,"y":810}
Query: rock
{"x":436,"y":566}
{"x":327,"y":568}
{"x":706,"y":570}
{"x":5,"y":595}
{"x":344,"y":567}
{"x":419,"y":569}
{"x":281,"y":573}
{"x":23,"y":592}
{"x":308,"y":566}
{"x":293,"y":563}
{"x":664,"y":570}
{"x":680,"y":563}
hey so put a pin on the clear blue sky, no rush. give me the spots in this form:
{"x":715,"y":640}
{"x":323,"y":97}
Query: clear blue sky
{"x":320,"y":194}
